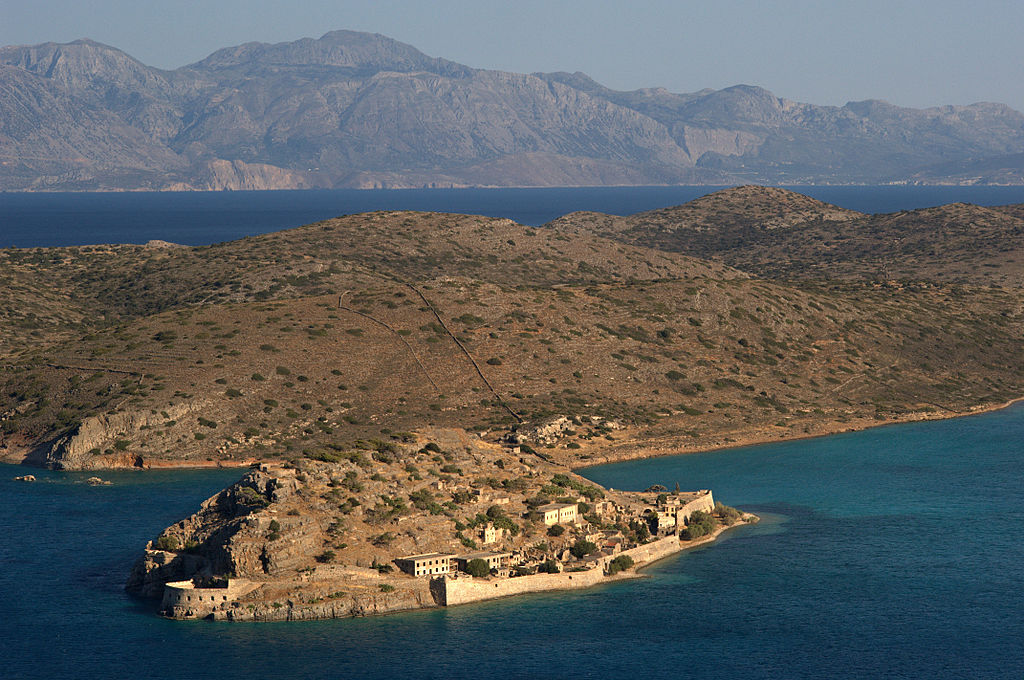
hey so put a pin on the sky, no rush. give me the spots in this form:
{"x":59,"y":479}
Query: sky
{"x":910,"y":53}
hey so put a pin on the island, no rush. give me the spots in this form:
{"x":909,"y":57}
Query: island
{"x":404,"y":524}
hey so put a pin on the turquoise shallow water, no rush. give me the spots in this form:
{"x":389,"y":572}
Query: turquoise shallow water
{"x":894,"y":553}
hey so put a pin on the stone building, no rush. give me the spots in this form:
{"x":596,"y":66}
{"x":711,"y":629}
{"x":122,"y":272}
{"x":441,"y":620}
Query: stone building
{"x":558,"y":513}
{"x":427,"y":564}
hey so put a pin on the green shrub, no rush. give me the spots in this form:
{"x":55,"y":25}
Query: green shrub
{"x":556,"y":530}
{"x":582,"y":548}
{"x":548,"y":567}
{"x":620,"y":563}
{"x":700,"y":524}
{"x":728,"y":514}
{"x":169,"y":543}
{"x":477,"y":567}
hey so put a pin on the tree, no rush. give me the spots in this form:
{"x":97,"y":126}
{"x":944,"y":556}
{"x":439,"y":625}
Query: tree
{"x":620,"y":563}
{"x":728,"y":514}
{"x":700,"y":524}
{"x":548,"y":567}
{"x":582,"y":548}
{"x":477,"y":567}
{"x":556,"y":530}
{"x":641,"y":530}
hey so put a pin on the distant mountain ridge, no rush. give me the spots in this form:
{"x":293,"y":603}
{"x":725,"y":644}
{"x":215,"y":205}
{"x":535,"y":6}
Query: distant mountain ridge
{"x":361,"y":110}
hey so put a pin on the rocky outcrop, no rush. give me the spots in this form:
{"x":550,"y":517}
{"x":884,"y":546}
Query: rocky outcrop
{"x":221,"y":175}
{"x":104,"y":441}
{"x":553,"y":430}
{"x":230,"y":534}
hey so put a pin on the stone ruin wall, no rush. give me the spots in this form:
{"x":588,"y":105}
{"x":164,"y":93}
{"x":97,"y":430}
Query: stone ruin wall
{"x":466,"y":589}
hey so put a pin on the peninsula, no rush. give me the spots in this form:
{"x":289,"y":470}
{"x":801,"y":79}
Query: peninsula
{"x":383,"y":369}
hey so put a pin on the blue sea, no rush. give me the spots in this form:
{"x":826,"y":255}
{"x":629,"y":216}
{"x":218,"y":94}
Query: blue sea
{"x":64,"y":219}
{"x":897,"y":552}
{"x":892,"y":553}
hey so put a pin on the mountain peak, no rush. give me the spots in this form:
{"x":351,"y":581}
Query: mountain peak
{"x":356,"y":50}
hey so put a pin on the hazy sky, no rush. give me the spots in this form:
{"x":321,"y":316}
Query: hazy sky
{"x":912,"y":53}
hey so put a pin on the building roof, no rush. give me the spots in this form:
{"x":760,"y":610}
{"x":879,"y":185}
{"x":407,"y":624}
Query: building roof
{"x":555,"y":506}
{"x":426,"y":556}
{"x":483,"y":555}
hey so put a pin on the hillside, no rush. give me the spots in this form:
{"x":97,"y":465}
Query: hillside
{"x":780,"y":234}
{"x":360,"y":110}
{"x":307,"y":341}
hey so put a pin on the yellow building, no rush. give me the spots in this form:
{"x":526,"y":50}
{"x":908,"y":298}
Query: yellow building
{"x":558,"y":513}
{"x":427,"y":564}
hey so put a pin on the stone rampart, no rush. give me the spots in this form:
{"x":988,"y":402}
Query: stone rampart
{"x":704,"y":502}
{"x":466,"y":589}
{"x":183,"y":600}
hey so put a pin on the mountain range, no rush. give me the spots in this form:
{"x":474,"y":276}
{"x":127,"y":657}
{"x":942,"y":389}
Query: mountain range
{"x":362,"y":110}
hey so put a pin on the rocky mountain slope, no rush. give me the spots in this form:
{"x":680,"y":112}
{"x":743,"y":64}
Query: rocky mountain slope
{"x":303,"y":341}
{"x":359,"y":110}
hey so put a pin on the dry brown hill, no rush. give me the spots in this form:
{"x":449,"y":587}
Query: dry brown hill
{"x":50,"y":292}
{"x":779,"y":234}
{"x":305,"y":341}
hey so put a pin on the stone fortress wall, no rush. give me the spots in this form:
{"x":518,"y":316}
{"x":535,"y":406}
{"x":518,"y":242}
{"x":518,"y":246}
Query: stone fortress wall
{"x":704,"y":502}
{"x":465,"y":589}
{"x":183,"y":600}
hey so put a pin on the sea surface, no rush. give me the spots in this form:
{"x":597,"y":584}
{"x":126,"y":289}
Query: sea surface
{"x":897,"y":552}
{"x":61,"y":219}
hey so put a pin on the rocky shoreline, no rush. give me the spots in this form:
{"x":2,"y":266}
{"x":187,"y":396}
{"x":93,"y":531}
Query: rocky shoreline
{"x":275,"y":601}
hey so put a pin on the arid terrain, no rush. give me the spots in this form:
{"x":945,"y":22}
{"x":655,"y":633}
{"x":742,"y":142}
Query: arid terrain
{"x":405,"y":382}
{"x":281,"y":345}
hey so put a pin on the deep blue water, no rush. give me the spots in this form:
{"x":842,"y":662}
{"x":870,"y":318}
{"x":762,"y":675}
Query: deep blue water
{"x":60,"y":219}
{"x":892,"y":553}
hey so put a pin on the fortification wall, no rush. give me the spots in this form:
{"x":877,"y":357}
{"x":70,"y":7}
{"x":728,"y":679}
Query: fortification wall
{"x":183,"y":600}
{"x":466,"y":589}
{"x":649,"y":552}
{"x":704,"y":503}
